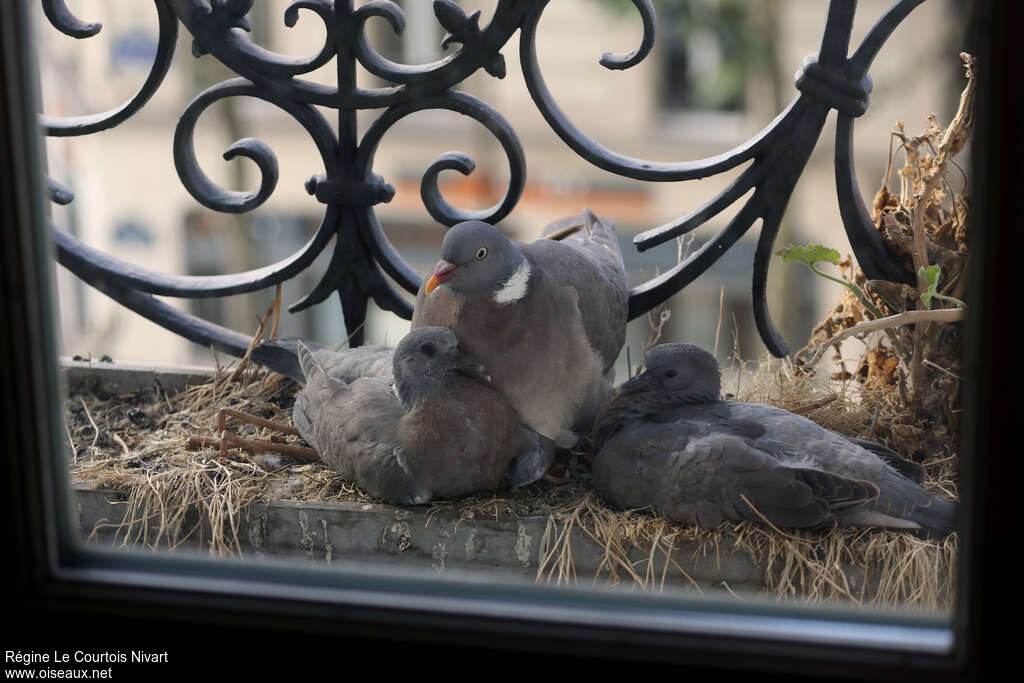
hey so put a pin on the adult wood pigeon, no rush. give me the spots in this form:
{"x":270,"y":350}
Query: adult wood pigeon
{"x":439,"y":430}
{"x":665,"y":440}
{"x":547,"y":319}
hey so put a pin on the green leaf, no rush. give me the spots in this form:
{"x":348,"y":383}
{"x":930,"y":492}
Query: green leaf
{"x":815,"y":253}
{"x":809,"y":254}
{"x":931,"y":275}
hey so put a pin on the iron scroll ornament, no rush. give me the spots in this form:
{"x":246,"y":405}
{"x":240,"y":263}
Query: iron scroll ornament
{"x":349,"y":189}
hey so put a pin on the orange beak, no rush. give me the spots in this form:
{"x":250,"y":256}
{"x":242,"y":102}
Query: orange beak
{"x":442,"y":271}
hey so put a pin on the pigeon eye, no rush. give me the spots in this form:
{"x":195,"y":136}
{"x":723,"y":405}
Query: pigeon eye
{"x":481,"y":253}
{"x":671,"y":373}
{"x":428,"y":349}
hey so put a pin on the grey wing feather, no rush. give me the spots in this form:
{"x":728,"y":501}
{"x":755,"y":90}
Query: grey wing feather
{"x":937,"y":516}
{"x":750,"y":479}
{"x":597,"y":237}
{"x":720,"y":477}
{"x":902,"y":498}
{"x":907,"y":468}
{"x":590,"y":261}
{"x":351,"y":364}
{"x":302,"y":417}
{"x":315,"y":365}
{"x":320,"y":392}
{"x":282,"y":356}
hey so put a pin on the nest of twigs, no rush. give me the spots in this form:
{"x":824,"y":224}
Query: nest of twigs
{"x":137,"y":444}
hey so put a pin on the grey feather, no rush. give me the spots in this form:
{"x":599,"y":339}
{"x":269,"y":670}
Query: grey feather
{"x":907,"y":468}
{"x":282,"y":356}
{"x":535,"y":461}
{"x":590,"y":262}
{"x":706,"y":459}
{"x":440,"y":430}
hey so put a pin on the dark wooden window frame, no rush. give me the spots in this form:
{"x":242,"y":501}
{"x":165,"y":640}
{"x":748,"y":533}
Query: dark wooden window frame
{"x":64,"y":592}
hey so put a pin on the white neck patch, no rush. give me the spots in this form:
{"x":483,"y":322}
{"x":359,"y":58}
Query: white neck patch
{"x":515,"y":288}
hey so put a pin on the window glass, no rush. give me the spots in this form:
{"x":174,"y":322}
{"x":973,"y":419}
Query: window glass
{"x":145,"y":455}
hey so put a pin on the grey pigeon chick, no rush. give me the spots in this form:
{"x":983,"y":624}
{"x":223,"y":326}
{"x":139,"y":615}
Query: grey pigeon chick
{"x":547,"y":319}
{"x":440,"y":430}
{"x":665,"y":440}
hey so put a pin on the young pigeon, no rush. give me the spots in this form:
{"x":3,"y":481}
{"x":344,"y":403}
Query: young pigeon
{"x":665,"y":440}
{"x":547,"y":319}
{"x":440,"y":430}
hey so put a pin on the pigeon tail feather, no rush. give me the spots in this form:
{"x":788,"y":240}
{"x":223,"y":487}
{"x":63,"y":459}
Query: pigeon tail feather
{"x":534,"y":462}
{"x":303,"y":421}
{"x":281,"y":356}
{"x":311,"y":368}
{"x":938,"y":517}
{"x":314,"y":371}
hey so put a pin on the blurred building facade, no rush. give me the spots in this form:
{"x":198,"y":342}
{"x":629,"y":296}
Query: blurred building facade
{"x":720,"y":71}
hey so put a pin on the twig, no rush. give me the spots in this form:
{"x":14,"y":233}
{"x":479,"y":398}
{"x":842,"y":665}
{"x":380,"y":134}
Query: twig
{"x":96,"y":436}
{"x":940,"y":368}
{"x":563,"y":233}
{"x":736,"y":354}
{"x":74,"y":451}
{"x":216,"y":364}
{"x":224,"y":413}
{"x":725,"y":585}
{"x":874,"y":421}
{"x":275,"y":307}
{"x":736,"y":351}
{"x":163,"y":394}
{"x":946,"y":315}
{"x":216,"y":376}
{"x":814,"y":405}
{"x":124,"y":446}
{"x":718,"y":328}
{"x":940,"y":462}
{"x":198,"y":442}
{"x":354,"y":332}
{"x":656,"y":327}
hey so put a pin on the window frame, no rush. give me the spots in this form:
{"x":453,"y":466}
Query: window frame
{"x":79,"y":589}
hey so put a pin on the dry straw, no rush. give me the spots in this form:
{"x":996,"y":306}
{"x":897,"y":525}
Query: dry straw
{"x":136,"y":444}
{"x":173,"y":494}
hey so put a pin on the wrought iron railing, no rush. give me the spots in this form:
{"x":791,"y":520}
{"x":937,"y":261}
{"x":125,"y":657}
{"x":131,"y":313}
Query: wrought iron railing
{"x":349,"y":189}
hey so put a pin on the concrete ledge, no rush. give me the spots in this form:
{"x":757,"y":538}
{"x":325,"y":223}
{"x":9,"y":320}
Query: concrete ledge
{"x":114,"y":378}
{"x":438,"y":540}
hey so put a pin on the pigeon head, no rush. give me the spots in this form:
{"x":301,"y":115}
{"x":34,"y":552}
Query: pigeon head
{"x":425,"y":360}
{"x":475,"y":257}
{"x":678,"y":373}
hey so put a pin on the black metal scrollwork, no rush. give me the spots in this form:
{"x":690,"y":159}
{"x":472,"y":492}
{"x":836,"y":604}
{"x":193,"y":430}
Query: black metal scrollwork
{"x":349,"y":188}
